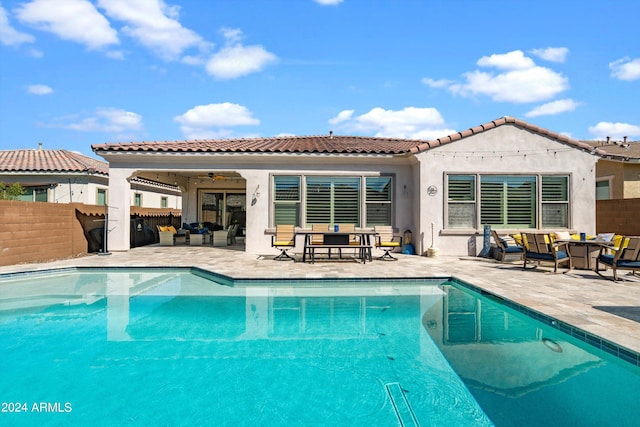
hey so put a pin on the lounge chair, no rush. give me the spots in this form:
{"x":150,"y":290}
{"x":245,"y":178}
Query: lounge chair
{"x":540,"y":247}
{"x":504,"y":249}
{"x":626,"y":257}
{"x":169,"y":236}
{"x":283,"y":240}
{"x":386,"y":241}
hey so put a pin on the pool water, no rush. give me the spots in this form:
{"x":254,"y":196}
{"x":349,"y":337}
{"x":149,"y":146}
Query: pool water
{"x":525,"y":373}
{"x":148,"y":347}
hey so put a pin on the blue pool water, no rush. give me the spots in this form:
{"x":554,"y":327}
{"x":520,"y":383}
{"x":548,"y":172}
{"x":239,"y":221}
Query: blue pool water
{"x":149,"y":347}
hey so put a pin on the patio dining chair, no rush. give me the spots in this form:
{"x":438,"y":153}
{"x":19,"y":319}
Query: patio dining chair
{"x":231,"y":235}
{"x":318,"y":239}
{"x":284,"y":239}
{"x":627,"y":257}
{"x":353,"y":238}
{"x":386,"y":241}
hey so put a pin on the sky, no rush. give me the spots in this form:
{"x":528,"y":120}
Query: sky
{"x":79,"y":72}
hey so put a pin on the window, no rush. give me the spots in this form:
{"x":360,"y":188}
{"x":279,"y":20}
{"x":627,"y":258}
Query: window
{"x":332,"y":200}
{"x":286,"y":200}
{"x":101,"y":197}
{"x":462,"y":201}
{"x":137,"y":199}
{"x":603,"y":189}
{"x":378,"y":201}
{"x":519,"y":201}
{"x":555,"y":201}
{"x":508,"y":201}
{"x":305,"y":200}
{"x":34,"y":194}
{"x":163,"y":202}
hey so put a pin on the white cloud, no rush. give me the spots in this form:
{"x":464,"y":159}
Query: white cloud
{"x":410,"y":122}
{"x":552,"y":54}
{"x":9,"y":36}
{"x":213,"y":120}
{"x":554,"y":107}
{"x":507,"y":61}
{"x":521,"y":80}
{"x":154,"y":25}
{"x":436,"y":83}
{"x":39,"y":90}
{"x":60,"y":17}
{"x":236,"y":61}
{"x":329,"y":2}
{"x":232,"y":35}
{"x":111,"y":120}
{"x":614,"y":130}
{"x":342,"y":116}
{"x":625,"y":69}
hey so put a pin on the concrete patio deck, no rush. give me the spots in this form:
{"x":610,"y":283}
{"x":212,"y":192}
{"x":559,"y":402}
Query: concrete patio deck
{"x":583,"y":299}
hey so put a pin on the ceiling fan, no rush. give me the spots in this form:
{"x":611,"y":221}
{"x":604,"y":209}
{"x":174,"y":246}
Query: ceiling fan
{"x":215,"y":177}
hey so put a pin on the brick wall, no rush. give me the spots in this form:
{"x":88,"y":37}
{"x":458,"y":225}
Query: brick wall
{"x":620,"y":216}
{"x":38,"y":231}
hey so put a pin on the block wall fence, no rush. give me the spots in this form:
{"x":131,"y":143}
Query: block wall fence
{"x":621,"y":216}
{"x":40,"y":232}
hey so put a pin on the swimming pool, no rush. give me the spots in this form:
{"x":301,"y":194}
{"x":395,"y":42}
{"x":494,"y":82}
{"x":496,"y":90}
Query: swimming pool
{"x":138,"y":346}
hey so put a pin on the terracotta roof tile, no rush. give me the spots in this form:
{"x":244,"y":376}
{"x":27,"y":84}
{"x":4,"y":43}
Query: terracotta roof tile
{"x":329,"y":143}
{"x":499,"y":122}
{"x":618,"y":149}
{"x":286,"y":144}
{"x":50,"y":161}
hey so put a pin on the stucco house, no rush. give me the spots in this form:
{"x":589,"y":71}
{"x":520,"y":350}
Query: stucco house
{"x":507,"y":173}
{"x":618,"y":170}
{"x":62,"y":176}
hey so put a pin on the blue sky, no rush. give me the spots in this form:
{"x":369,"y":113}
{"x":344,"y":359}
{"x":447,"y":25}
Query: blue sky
{"x":80,"y":72}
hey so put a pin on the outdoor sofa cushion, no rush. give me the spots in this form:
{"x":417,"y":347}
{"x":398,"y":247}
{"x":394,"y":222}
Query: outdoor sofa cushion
{"x":608,"y":259}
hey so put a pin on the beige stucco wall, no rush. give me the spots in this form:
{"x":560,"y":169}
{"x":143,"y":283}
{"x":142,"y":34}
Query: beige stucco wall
{"x":256,"y":171}
{"x":624,"y":177}
{"x":503,"y":150}
{"x":631,"y":180}
{"x":506,"y":149}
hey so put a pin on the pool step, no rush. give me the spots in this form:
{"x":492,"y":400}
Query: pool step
{"x":405,"y":414}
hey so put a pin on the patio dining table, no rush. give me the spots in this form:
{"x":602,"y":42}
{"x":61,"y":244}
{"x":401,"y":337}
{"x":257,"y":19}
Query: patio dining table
{"x":584,"y":253}
{"x":338,"y":240}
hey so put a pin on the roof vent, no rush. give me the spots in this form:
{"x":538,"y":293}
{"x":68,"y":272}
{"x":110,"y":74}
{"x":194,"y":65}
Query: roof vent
{"x":39,"y":146}
{"x":331,"y":134}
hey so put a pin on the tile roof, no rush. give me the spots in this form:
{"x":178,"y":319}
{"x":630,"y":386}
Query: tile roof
{"x":618,"y":150}
{"x":50,"y":161}
{"x":328,"y":143}
{"x":503,"y":121}
{"x":283,"y":144}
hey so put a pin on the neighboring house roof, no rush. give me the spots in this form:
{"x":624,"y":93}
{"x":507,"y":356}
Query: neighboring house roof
{"x":618,"y":150}
{"x":41,"y":161}
{"x":50,"y":161}
{"x":327,"y":143}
